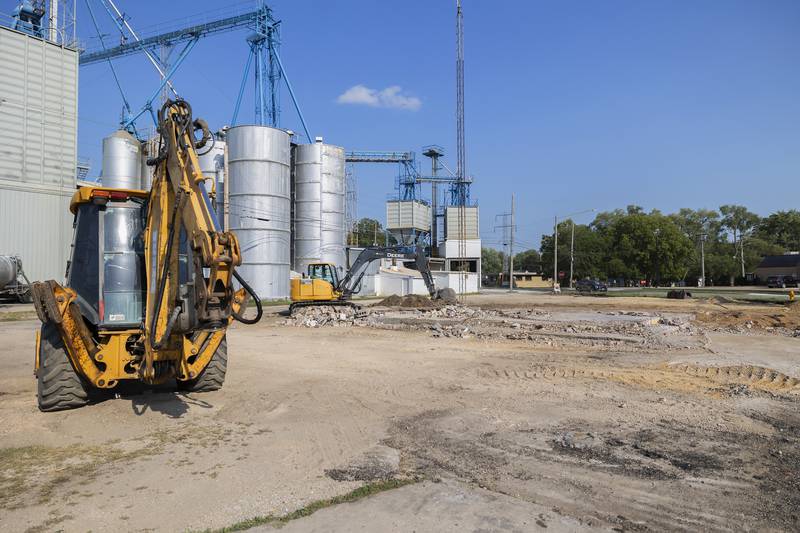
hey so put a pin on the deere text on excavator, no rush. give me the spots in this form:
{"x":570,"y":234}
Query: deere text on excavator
{"x":149,"y":291}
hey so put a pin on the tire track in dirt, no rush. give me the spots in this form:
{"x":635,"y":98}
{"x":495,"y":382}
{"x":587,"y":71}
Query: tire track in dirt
{"x":682,"y":377}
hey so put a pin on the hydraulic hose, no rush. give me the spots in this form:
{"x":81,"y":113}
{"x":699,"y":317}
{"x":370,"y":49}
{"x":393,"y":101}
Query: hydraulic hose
{"x":249,"y":289}
{"x":162,"y":283}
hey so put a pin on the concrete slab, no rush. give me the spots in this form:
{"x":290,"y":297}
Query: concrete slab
{"x":448,"y":506}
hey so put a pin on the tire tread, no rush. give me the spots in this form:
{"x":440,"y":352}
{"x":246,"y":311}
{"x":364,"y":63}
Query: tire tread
{"x":213,"y":375}
{"x":59,"y":385}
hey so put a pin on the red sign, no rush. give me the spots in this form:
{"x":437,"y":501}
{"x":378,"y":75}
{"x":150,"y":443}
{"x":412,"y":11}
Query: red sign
{"x":562,"y":274}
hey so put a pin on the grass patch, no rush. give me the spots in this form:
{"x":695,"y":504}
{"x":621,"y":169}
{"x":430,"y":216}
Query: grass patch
{"x":640,"y":293}
{"x":38,"y":474}
{"x":34,"y":474}
{"x":273,"y":303}
{"x":362,"y":492}
{"x":12,"y":316}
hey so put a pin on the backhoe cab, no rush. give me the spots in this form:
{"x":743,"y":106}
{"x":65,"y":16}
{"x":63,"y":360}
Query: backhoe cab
{"x":149,"y":291}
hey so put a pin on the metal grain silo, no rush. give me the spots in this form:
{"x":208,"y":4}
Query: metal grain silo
{"x":319,"y":230}
{"x":212,"y":163}
{"x":149,"y":151}
{"x":259,"y":211}
{"x":122,"y":161}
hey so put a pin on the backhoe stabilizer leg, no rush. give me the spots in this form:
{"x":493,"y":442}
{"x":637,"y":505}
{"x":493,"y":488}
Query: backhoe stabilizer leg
{"x":56,"y":305}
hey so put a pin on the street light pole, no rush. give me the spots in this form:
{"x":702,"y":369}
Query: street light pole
{"x":572,"y":245}
{"x":657,"y":233}
{"x":511,"y":249}
{"x":741,"y":251}
{"x":555,"y":251}
{"x":703,"y":259}
{"x":571,"y":253}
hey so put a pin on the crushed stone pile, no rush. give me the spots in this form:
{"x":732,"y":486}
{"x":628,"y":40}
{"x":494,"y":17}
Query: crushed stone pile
{"x":333,"y":316}
{"x":459,"y":311}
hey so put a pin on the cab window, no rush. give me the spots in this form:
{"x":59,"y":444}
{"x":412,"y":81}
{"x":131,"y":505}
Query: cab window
{"x":324,"y":272}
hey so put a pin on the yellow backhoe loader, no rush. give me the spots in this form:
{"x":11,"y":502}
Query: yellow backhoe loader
{"x":149,"y":292}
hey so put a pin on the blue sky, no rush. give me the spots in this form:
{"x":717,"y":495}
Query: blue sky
{"x":570,"y":104}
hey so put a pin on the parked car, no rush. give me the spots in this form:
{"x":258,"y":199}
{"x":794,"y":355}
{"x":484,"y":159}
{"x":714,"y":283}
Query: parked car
{"x":590,"y":286}
{"x":781,"y":282}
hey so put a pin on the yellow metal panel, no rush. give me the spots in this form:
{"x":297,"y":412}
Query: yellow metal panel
{"x":306,"y":290}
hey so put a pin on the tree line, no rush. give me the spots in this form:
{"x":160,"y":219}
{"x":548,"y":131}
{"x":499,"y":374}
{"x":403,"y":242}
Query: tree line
{"x":635,"y":245}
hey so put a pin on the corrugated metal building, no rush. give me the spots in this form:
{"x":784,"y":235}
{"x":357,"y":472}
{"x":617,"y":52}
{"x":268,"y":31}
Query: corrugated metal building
{"x":38,"y":151}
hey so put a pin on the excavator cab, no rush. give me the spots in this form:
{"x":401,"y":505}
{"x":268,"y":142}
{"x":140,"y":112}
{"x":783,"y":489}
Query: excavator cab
{"x":319,"y":284}
{"x":324,"y":271}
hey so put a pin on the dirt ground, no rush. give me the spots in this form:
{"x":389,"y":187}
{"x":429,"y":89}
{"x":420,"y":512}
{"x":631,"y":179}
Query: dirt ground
{"x":514,"y":412}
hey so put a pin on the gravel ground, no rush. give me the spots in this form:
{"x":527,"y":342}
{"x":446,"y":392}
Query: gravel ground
{"x":514,"y":412}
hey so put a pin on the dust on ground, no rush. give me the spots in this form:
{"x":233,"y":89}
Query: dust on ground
{"x":566,"y":413}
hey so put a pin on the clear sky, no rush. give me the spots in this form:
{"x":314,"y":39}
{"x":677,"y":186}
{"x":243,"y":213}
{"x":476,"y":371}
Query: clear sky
{"x":572,"y":105}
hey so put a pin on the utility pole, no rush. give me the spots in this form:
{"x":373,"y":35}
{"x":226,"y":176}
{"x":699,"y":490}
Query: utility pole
{"x":508,"y":224}
{"x":511,"y":249}
{"x":571,"y":253}
{"x":741,"y":251}
{"x":571,"y":246}
{"x":703,"y":259}
{"x":555,"y":251}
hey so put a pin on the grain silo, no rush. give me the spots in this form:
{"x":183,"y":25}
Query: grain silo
{"x":259,"y":209}
{"x":122,"y":161}
{"x":319,"y":231}
{"x":212,"y":164}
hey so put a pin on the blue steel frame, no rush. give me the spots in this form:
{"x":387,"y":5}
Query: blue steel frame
{"x":264,"y":45}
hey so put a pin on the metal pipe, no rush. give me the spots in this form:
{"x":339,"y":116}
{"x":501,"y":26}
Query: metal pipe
{"x":291,"y":93}
{"x":110,"y":63}
{"x":53,"y":21}
{"x":703,"y":260}
{"x":555,"y":251}
{"x":241,"y":87}
{"x":136,"y":37}
{"x":571,"y":253}
{"x":511,"y":249}
{"x":148,"y":105}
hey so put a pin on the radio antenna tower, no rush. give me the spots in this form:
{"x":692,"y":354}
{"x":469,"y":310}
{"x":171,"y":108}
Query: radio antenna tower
{"x":461,"y":171}
{"x":461,"y":157}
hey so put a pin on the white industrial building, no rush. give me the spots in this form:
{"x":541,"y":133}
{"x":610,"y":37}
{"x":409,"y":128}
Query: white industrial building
{"x":38,"y":151}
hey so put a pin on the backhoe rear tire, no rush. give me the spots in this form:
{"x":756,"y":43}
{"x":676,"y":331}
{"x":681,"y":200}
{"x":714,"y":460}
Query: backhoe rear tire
{"x":59,"y":385}
{"x":213,"y":375}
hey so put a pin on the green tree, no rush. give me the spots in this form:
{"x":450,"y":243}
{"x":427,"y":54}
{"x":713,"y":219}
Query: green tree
{"x":491,"y":261}
{"x":529,"y":260}
{"x":368,"y":232}
{"x":589,"y":250}
{"x":740,"y":222}
{"x":546,"y":249}
{"x":694,"y":223}
{"x":648,"y":246}
{"x":781,"y":228}
{"x":703,"y":224}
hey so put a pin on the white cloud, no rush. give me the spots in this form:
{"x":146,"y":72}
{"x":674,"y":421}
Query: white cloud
{"x":392,"y":97}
